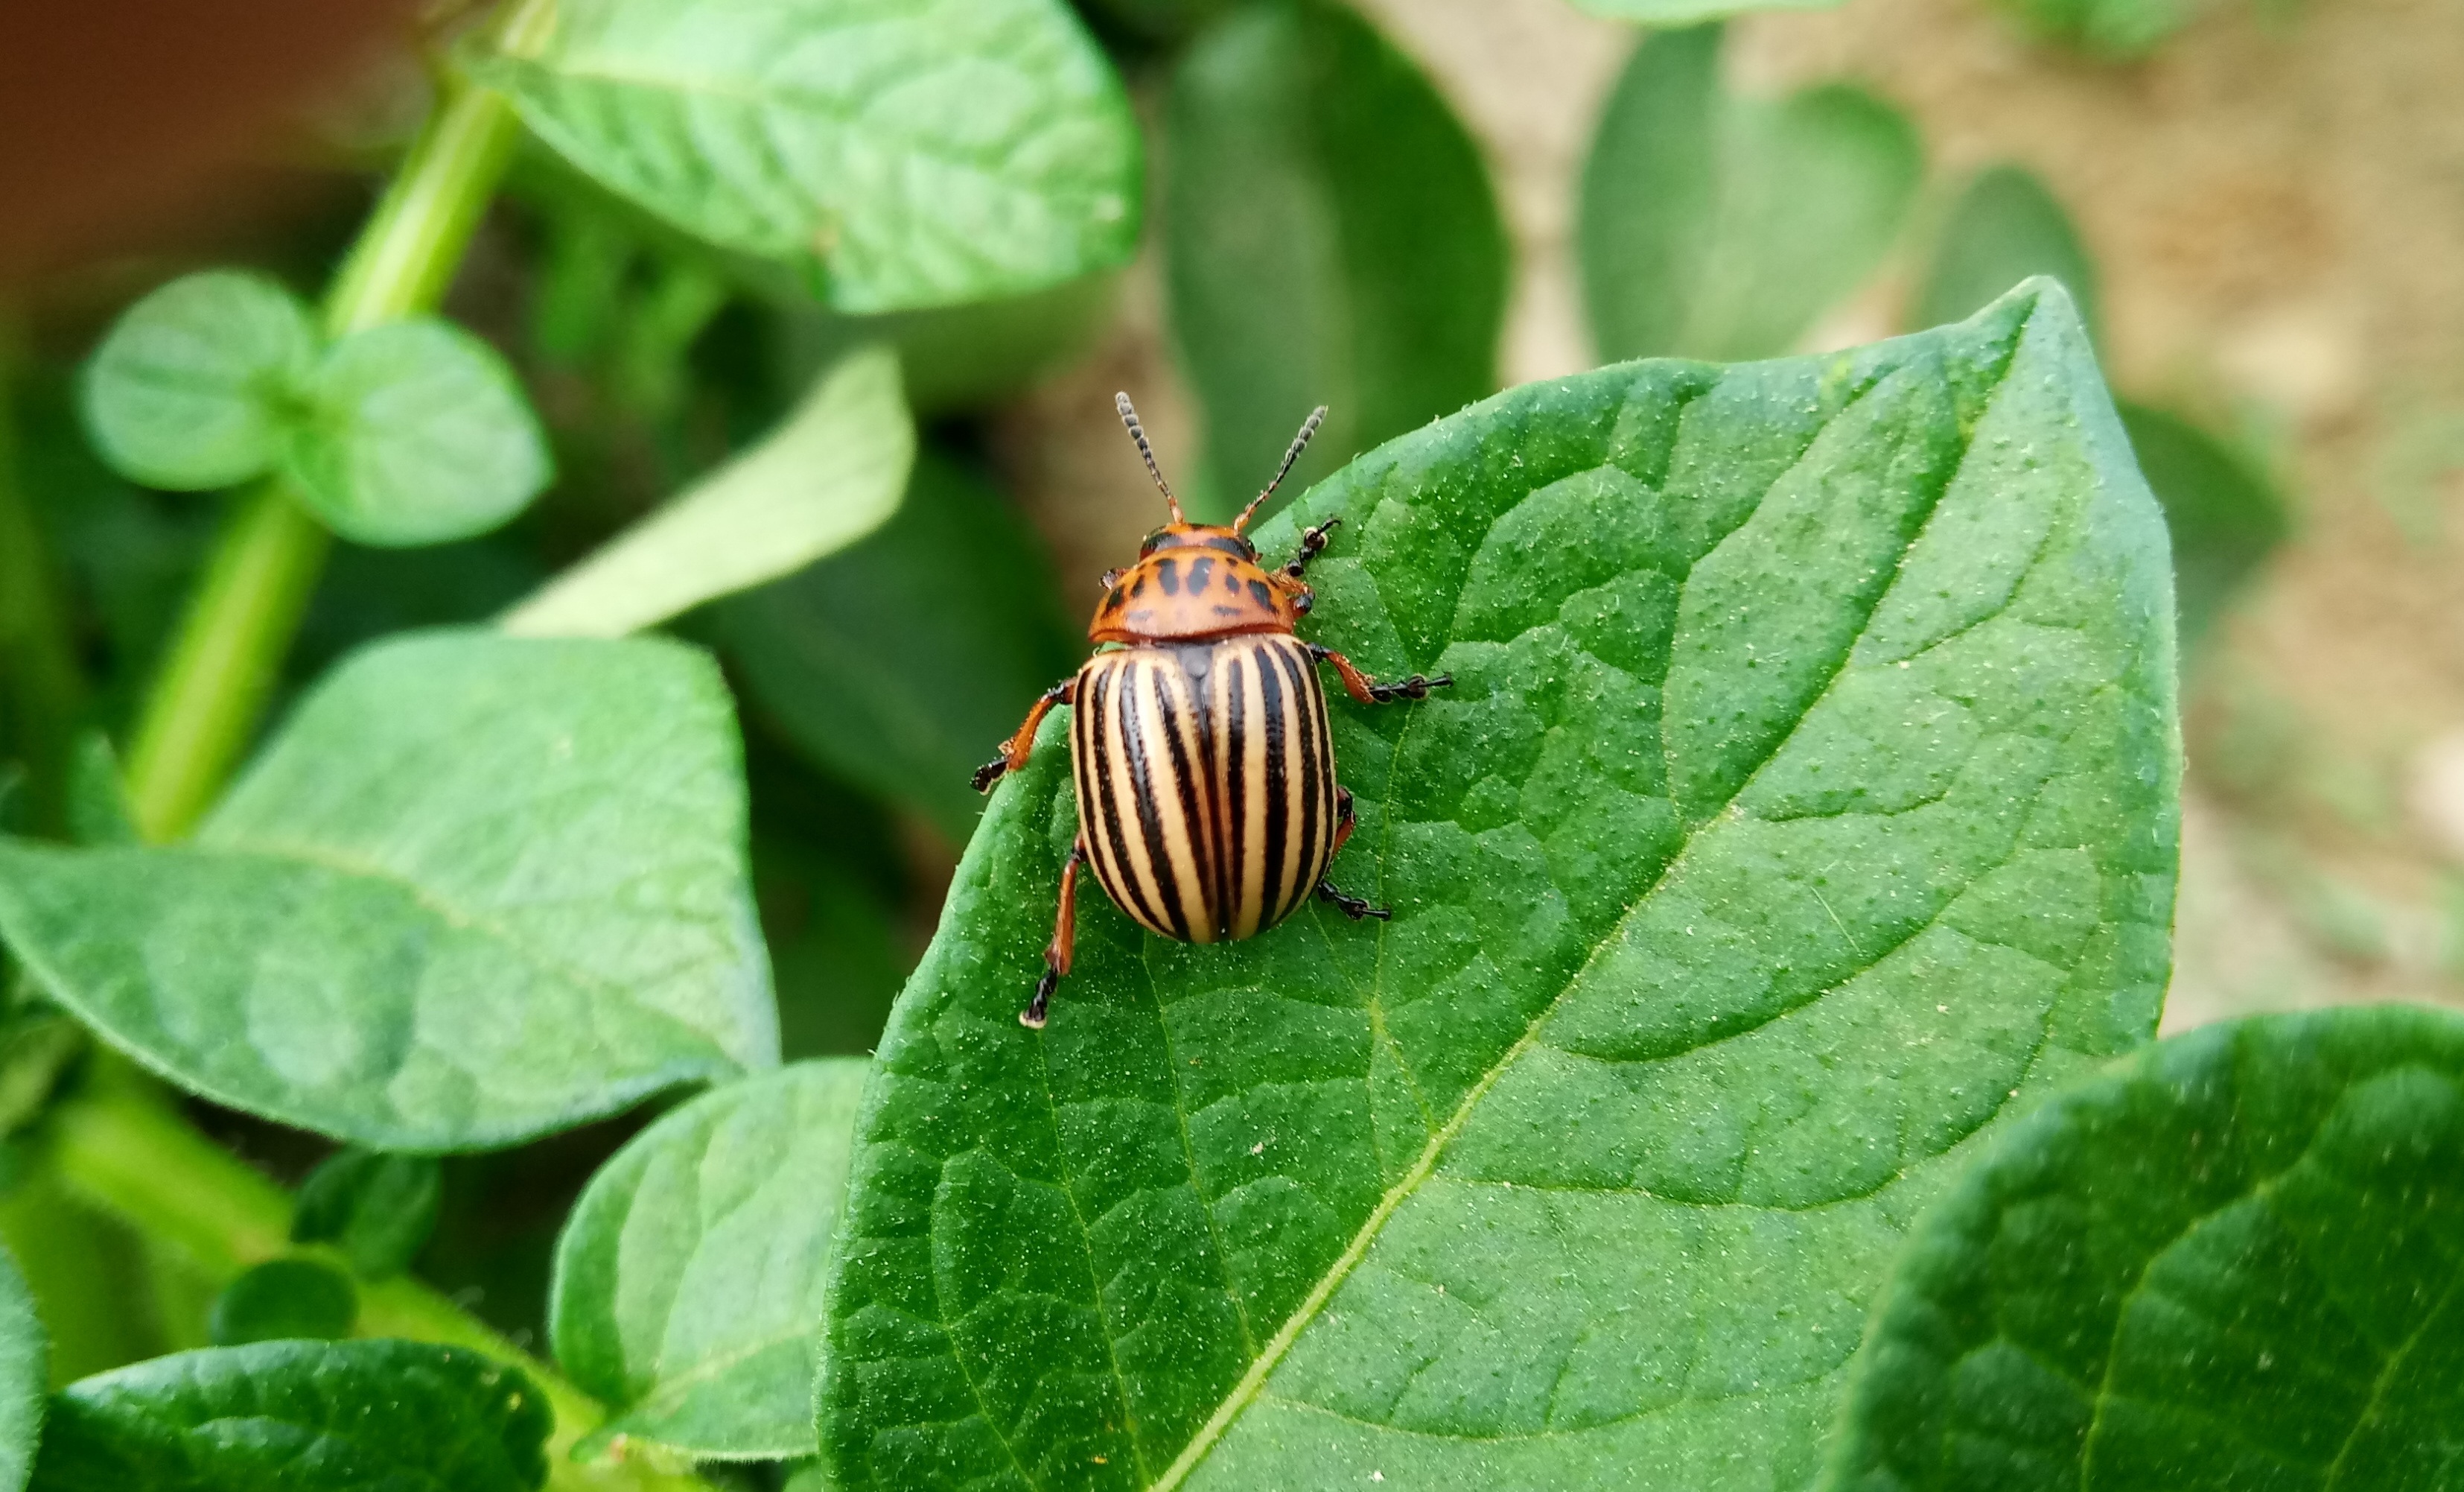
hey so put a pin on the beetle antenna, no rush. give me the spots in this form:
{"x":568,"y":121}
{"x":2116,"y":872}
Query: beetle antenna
{"x":1138,"y":434}
{"x":1300,"y":443}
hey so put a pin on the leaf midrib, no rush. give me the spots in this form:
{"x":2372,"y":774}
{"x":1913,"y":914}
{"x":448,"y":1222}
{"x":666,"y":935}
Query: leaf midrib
{"x":1253,"y":1381}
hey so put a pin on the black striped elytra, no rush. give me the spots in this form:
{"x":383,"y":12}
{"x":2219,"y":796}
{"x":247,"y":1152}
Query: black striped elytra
{"x":1207,"y":801}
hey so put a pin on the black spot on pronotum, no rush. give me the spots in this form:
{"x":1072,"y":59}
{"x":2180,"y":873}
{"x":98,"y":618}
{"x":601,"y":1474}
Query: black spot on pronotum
{"x":1138,"y":586}
{"x":1200,"y":568}
{"x":1112,"y":602}
{"x":1258,"y":592}
{"x":1168,"y":576}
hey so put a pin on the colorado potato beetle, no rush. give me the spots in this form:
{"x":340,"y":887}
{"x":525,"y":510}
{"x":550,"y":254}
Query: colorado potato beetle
{"x":1208,"y":802}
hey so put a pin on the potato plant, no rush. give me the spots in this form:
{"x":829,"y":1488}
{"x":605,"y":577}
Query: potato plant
{"x":1755,"y":1086}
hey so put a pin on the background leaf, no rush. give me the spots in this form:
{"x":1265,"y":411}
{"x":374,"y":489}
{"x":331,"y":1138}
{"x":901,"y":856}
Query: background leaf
{"x":475,"y":889}
{"x":2114,"y":29}
{"x":1807,"y":793}
{"x":21,"y":1377}
{"x":284,"y":1300}
{"x":418,"y":433}
{"x":2225,"y":516}
{"x":377,"y":1209}
{"x":829,"y":473}
{"x":689,"y":1281}
{"x":901,"y":663}
{"x":918,"y":154}
{"x":1723,"y":228}
{"x":2230,"y":1262}
{"x":1329,"y":238}
{"x":197,"y":383}
{"x":2005,"y":227}
{"x":299,"y":1416}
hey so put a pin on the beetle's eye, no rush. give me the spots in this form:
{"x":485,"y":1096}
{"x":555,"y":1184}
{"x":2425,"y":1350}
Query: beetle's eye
{"x":1152,"y":541}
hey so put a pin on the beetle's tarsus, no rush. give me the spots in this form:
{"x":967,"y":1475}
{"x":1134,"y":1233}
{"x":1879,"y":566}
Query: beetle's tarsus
{"x":1313,"y":545}
{"x":1033,"y":1017}
{"x":989,"y":773}
{"x":1416,"y":687}
{"x":1352,"y":906}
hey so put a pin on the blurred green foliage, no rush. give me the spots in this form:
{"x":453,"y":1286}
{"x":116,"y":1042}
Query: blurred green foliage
{"x":1722,"y":228}
{"x":1330,"y":238}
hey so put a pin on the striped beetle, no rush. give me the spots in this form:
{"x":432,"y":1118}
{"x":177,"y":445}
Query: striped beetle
{"x":1204,"y":770}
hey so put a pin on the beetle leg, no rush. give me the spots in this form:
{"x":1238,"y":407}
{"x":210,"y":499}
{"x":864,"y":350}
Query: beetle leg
{"x":1313,"y":545}
{"x":1369,"y":691}
{"x":1064,"y":940}
{"x":1353,"y":907}
{"x":1014,"y":751}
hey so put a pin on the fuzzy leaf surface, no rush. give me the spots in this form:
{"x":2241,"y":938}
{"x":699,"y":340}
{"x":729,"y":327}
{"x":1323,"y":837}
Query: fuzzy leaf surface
{"x":687,"y":1291}
{"x":476,"y":888}
{"x":1805,"y":796}
{"x":915,"y":154}
{"x":301,"y":1416}
{"x":1329,"y":239}
{"x":197,"y":384}
{"x":2230,"y":1262}
{"x":22,"y":1359}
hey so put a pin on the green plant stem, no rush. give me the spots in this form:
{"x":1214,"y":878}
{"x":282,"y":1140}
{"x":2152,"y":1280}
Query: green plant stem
{"x":222,"y":663}
{"x":119,"y":1147}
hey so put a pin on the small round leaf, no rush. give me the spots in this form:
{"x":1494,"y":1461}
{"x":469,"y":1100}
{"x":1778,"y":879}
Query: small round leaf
{"x":195,"y":383}
{"x":284,"y":1300}
{"x":418,"y":433}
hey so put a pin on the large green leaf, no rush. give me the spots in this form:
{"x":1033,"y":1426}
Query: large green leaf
{"x":2232,"y":1263}
{"x":1329,"y":238}
{"x":476,"y":888}
{"x":901,"y":663}
{"x":299,"y":1416}
{"x":21,"y":1377}
{"x":831,"y":473}
{"x":689,"y":1281}
{"x":1807,"y":793}
{"x":1719,"y":227}
{"x":916,"y":154}
{"x":197,"y":383}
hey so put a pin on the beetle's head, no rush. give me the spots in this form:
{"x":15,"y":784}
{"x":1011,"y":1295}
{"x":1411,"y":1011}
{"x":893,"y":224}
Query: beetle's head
{"x":1199,"y":536}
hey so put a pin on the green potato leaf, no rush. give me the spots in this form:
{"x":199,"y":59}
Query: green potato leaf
{"x":831,"y":473}
{"x":1723,"y":228}
{"x":284,"y":1300}
{"x":378,"y":1208}
{"x":687,"y":1291}
{"x":1330,"y":238}
{"x":2006,"y":225}
{"x":901,"y":663}
{"x":197,"y":384}
{"x":2230,"y":1262}
{"x":1806,"y":799}
{"x":21,"y":1377}
{"x":417,"y":432}
{"x":299,"y":1416}
{"x":2116,"y":30}
{"x":475,"y":889}
{"x":913,"y":154}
